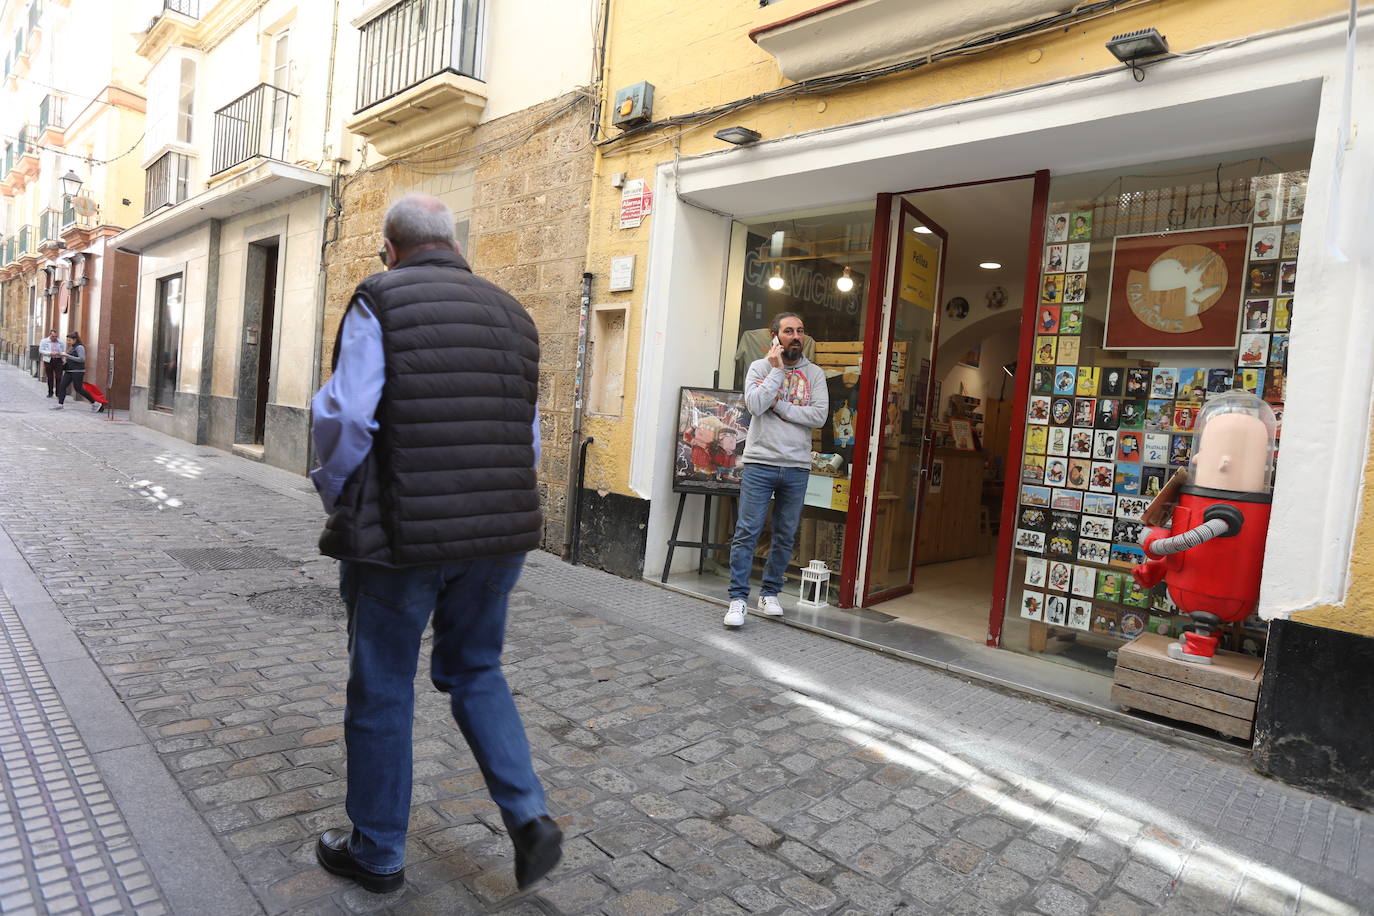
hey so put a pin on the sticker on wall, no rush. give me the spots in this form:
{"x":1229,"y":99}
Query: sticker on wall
{"x":1035,"y":572}
{"x":1099,"y":503}
{"x":1067,"y":500}
{"x":1257,"y":314}
{"x":1054,"y":259}
{"x":1164,"y":383}
{"x":1071,"y":319}
{"x":1088,"y":379}
{"x":1262,"y":279}
{"x":1254,"y":350}
{"x":1033,"y":605}
{"x":1075,"y":288}
{"x":1265,"y":242}
{"x":1030,"y":541}
{"x":1057,"y":443}
{"x":1038,"y":410}
{"x":1056,"y":610}
{"x":1078,"y":256}
{"x":1084,"y":412}
{"x":1035,"y":496}
{"x":1080,"y":613}
{"x":1060,"y":411}
{"x":1137,"y":383}
{"x":1101,"y":478}
{"x":1057,"y":227}
{"x":1081,"y":226}
{"x":1068,"y":349}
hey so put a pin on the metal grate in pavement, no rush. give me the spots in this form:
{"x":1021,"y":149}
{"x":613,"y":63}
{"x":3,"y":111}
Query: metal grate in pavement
{"x":308,"y":601}
{"x":229,"y":558}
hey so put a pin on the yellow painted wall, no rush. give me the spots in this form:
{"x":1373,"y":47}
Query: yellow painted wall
{"x":700,"y":55}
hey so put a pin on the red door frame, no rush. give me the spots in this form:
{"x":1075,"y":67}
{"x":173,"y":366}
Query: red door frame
{"x":907,"y":208}
{"x":1030,"y":300}
{"x":858,"y":475}
{"x":877,"y":292}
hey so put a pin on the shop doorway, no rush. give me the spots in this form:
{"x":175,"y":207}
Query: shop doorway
{"x":942,"y":412}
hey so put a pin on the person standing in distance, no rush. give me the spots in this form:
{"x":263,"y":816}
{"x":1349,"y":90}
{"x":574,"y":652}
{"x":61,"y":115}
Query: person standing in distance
{"x":428,"y":438}
{"x":50,"y":348}
{"x":786,"y":396}
{"x":74,"y":373}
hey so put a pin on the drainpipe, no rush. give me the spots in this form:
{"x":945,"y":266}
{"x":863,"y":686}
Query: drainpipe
{"x":577,"y":471}
{"x":575,"y":548}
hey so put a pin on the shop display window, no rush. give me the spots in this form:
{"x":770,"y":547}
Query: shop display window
{"x":1152,"y":299}
{"x":815,"y":264}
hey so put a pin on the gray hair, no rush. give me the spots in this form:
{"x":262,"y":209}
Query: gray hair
{"x":418,"y":219}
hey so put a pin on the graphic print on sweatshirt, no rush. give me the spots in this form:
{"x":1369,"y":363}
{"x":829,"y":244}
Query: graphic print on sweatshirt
{"x":796,"y":389}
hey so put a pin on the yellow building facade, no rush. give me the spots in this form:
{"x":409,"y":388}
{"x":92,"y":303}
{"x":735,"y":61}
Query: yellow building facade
{"x":988,"y":131}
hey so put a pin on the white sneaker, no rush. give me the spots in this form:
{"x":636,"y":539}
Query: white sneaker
{"x":734,"y":618}
{"x":769,"y":605}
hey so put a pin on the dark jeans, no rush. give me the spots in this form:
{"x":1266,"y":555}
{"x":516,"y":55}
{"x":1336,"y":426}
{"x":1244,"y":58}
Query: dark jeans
{"x":73,"y":379}
{"x":787,"y":488}
{"x":388,"y":610}
{"x":52,"y":371}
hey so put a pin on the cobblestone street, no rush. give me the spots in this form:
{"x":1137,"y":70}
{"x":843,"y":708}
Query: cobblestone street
{"x":171,"y":738}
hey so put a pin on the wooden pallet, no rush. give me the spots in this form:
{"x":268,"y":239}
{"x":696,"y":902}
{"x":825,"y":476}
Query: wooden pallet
{"x":1220,"y":696}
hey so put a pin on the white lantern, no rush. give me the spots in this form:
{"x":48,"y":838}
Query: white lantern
{"x":815,"y":585}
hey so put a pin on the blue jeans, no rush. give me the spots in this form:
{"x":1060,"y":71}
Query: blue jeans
{"x":388,"y":610}
{"x":787,"y":488}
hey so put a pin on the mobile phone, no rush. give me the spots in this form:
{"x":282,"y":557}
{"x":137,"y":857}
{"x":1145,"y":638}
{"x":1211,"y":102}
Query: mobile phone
{"x":775,"y":341}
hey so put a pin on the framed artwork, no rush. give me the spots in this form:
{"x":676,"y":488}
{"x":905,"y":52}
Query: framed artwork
{"x":962,"y":432}
{"x":1075,"y":287}
{"x":1078,"y":256}
{"x":1054,"y":259}
{"x":1080,"y":613}
{"x":1068,"y":350}
{"x":1057,"y":227}
{"x":1035,"y":572}
{"x":973,"y":357}
{"x":1071,"y":319}
{"x":1177,"y":291}
{"x":1081,"y":226}
{"x":711,"y":430}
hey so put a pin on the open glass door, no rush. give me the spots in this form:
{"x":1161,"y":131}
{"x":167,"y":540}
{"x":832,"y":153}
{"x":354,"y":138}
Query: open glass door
{"x":899,"y":459}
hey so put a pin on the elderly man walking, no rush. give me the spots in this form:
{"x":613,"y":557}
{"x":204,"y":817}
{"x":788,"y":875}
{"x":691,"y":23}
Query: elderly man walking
{"x":428,"y":435}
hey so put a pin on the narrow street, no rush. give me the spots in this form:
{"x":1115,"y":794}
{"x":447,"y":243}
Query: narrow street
{"x":171,"y":733}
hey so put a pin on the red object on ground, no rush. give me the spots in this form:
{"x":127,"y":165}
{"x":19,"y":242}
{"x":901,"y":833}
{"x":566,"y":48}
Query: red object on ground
{"x":96,"y":393}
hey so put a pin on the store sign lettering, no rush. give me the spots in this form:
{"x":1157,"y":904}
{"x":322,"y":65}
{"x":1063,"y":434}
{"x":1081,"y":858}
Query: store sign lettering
{"x":806,"y":283}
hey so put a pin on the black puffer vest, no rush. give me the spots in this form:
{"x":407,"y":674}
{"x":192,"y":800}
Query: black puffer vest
{"x":450,"y":476}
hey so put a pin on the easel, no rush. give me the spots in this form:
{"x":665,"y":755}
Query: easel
{"x":702,"y":545}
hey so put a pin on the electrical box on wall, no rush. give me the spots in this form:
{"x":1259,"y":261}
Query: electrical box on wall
{"x":634,"y":105}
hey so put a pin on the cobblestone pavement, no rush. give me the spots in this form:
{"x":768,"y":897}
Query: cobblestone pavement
{"x":694,"y":770}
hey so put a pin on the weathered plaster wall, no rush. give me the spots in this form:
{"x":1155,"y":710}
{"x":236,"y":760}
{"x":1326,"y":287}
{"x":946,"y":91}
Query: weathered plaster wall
{"x":521,"y":184}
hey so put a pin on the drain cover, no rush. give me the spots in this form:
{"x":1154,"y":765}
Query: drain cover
{"x":226,"y":558}
{"x":299,"y":602}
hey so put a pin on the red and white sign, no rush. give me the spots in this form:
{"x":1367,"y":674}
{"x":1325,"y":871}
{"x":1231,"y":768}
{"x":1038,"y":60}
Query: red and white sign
{"x":636,"y":202}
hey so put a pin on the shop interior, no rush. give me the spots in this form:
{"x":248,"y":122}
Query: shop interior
{"x":929,"y":560}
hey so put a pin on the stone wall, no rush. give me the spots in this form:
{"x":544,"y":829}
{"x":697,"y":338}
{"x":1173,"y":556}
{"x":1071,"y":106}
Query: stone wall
{"x":14,"y":319}
{"x":521,"y":185}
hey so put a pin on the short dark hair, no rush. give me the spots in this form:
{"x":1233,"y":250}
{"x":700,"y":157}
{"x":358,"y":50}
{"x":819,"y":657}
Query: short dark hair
{"x":777,"y":320}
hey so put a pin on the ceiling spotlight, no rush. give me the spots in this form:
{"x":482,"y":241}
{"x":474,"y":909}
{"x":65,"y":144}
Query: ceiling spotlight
{"x":846,"y":281}
{"x":1132,"y":47}
{"x":921,"y":230}
{"x":776,"y":281}
{"x":990,"y":265}
{"x":740,"y":136}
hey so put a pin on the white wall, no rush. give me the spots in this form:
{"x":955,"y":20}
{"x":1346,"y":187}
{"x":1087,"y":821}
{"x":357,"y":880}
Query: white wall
{"x":536,"y":50}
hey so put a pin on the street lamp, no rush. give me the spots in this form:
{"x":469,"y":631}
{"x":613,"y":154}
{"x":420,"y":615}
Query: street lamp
{"x":71,"y":184}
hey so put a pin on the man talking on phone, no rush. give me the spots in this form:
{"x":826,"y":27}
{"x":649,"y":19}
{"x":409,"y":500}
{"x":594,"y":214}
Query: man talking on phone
{"x":786,"y":396}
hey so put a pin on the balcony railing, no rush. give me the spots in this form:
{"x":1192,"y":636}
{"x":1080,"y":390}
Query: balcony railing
{"x":189,"y":8}
{"x":255,"y":124}
{"x":10,"y":250}
{"x":49,"y":225}
{"x":166,"y":182}
{"x":50,"y":113}
{"x":68,"y":212}
{"x":10,"y":157}
{"x":23,"y":242}
{"x":414,"y":40}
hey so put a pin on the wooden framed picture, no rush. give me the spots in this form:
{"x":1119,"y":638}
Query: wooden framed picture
{"x":1177,"y":291}
{"x":962,"y":432}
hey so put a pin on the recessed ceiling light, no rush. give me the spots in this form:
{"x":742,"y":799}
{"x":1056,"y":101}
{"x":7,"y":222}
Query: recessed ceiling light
{"x":923,"y":230}
{"x":990,"y":265}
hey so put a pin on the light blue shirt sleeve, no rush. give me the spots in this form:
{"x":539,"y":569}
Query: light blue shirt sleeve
{"x":344,"y":410}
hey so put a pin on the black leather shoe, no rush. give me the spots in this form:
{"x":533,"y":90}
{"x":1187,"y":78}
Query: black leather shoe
{"x":332,"y":851}
{"x":538,"y":847}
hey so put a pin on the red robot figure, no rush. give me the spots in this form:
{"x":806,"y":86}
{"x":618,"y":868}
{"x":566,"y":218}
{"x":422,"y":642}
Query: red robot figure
{"x":1212,"y":554}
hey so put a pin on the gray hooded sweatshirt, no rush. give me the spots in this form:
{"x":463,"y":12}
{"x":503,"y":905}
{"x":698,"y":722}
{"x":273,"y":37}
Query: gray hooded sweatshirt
{"x":785,"y":404}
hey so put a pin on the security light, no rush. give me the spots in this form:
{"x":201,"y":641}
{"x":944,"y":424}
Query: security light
{"x":1130,"y":47}
{"x":740,"y":136}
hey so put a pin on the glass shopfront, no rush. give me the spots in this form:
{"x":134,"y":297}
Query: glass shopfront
{"x":1157,"y":292}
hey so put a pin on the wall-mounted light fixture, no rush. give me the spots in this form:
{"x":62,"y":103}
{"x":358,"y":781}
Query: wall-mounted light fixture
{"x":776,"y":281}
{"x":845,"y":283}
{"x":740,"y":136}
{"x":1132,"y":47}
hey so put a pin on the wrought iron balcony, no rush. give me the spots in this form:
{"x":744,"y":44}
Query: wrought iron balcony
{"x":49,"y":225}
{"x":256,"y":124}
{"x":166,"y":182}
{"x":50,"y":113}
{"x":24,"y":244}
{"x":414,"y":40}
{"x":189,"y":8}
